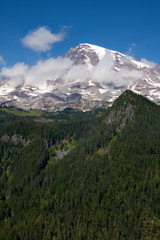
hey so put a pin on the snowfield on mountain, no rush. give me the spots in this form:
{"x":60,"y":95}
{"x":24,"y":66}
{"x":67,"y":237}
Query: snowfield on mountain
{"x":85,"y":77}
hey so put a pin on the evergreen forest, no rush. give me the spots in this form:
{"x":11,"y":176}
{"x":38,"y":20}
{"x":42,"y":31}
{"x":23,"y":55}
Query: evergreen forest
{"x":81,"y":176}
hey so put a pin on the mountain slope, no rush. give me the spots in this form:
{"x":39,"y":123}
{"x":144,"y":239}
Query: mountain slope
{"x":105,"y":187}
{"x":85,"y":77}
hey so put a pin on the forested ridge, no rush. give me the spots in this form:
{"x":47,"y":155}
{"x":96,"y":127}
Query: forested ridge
{"x":89,"y":177}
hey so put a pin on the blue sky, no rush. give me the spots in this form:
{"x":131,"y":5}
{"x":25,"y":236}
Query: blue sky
{"x":131,"y":27}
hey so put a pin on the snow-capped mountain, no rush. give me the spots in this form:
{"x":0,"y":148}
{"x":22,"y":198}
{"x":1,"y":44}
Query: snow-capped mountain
{"x":85,"y":77}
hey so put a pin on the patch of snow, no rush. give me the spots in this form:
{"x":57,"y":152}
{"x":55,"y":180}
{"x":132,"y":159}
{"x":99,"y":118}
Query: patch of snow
{"x":4,"y":90}
{"x":33,"y":94}
{"x":139,"y":64}
{"x":155,"y":84}
{"x":154,"y":93}
{"x":90,"y":83}
{"x":117,"y":69}
{"x":101,"y":90}
{"x":100,"y":51}
{"x":150,"y":98}
{"x":112,"y":99}
{"x":15,"y":97}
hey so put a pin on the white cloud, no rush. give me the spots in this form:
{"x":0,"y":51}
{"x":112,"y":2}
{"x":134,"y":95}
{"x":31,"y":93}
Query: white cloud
{"x":104,"y":69}
{"x":16,"y":74}
{"x":41,"y":39}
{"x":150,"y":64}
{"x":2,"y":62}
{"x":104,"y":72}
{"x":49,"y":69}
{"x":130,"y":50}
{"x":77,"y":72}
{"x":134,"y":44}
{"x":37,"y":74}
{"x":63,"y":68}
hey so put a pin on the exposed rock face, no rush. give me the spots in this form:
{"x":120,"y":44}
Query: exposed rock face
{"x":98,"y":88}
{"x":75,"y":97}
{"x":5,"y":138}
{"x":43,"y":120}
{"x":15,"y":139}
{"x":83,"y":54}
{"x":120,"y":116}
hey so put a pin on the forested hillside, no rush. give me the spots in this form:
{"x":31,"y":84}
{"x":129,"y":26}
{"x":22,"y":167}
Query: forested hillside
{"x":87,"y":177}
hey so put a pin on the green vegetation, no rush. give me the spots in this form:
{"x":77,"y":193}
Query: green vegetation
{"x":105,"y":186}
{"x":23,"y":113}
{"x":58,"y":151}
{"x":13,"y":113}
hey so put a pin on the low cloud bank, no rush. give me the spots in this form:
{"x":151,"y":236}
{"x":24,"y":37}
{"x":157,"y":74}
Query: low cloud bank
{"x":49,"y":69}
{"x":52,"y":69}
{"x":105,"y":73}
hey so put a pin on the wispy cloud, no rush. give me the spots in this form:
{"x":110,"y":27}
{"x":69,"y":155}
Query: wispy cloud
{"x":42,"y":39}
{"x":2,"y":61}
{"x":130,"y":51}
{"x":150,"y":64}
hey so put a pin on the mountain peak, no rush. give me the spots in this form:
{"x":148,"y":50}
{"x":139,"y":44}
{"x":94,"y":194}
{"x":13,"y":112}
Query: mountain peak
{"x":91,"y":54}
{"x":100,"y":51}
{"x":126,"y":108}
{"x":94,"y":76}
